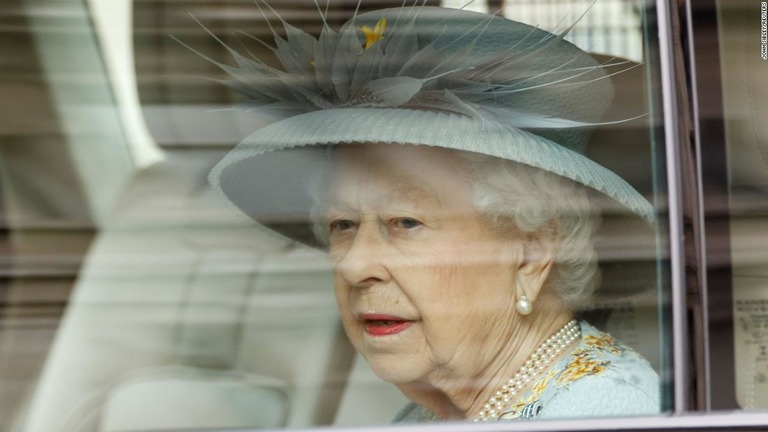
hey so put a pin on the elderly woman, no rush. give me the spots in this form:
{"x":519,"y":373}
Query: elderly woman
{"x":438,"y":156}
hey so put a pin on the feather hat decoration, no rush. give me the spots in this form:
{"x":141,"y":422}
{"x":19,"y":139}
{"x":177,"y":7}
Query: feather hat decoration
{"x":413,"y":75}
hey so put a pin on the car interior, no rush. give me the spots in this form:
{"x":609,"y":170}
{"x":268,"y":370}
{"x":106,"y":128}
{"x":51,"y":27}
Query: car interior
{"x":134,"y":299}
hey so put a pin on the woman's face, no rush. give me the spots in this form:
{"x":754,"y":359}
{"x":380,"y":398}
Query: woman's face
{"x":426,"y":290}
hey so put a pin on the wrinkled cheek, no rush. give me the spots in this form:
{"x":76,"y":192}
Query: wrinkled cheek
{"x":353,"y":329}
{"x":447,"y":284}
{"x":342,"y":292}
{"x":345,"y":312}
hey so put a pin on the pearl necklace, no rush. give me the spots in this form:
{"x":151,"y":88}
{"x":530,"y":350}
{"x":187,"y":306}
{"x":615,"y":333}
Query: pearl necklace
{"x":536,"y":364}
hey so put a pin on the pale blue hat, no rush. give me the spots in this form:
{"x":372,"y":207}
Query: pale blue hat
{"x":414,"y":75}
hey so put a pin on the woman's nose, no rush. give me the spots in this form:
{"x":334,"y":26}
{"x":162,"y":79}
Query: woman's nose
{"x":363,"y":262}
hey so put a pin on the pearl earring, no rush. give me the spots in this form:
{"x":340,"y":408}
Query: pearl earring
{"x":524,"y":306}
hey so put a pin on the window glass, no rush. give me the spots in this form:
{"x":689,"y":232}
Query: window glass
{"x":292,"y":214}
{"x":742,"y":67}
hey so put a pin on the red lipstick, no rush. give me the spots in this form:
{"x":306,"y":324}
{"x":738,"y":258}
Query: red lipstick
{"x":383,"y":325}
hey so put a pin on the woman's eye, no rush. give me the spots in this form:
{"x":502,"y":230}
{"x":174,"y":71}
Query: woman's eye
{"x":407,"y":223}
{"x":342,"y":225}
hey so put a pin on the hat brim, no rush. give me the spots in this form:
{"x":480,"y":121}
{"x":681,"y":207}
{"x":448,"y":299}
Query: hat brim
{"x":267,"y":175}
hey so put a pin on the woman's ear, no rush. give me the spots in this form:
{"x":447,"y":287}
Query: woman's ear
{"x":535,"y":268}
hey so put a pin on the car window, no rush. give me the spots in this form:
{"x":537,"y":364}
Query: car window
{"x":138,"y":295}
{"x":731,"y":103}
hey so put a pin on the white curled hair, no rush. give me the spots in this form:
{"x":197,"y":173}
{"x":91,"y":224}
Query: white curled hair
{"x":319,"y":183}
{"x":517,"y":198}
{"x":514,"y":199}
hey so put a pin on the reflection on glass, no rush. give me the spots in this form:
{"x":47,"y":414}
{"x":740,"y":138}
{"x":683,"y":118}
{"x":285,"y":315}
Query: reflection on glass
{"x":453,"y":209}
{"x":442,"y":166}
{"x":745,"y":95}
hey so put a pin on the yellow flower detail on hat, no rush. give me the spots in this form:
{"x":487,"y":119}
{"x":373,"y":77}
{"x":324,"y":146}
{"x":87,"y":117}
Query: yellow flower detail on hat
{"x":375,"y":34}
